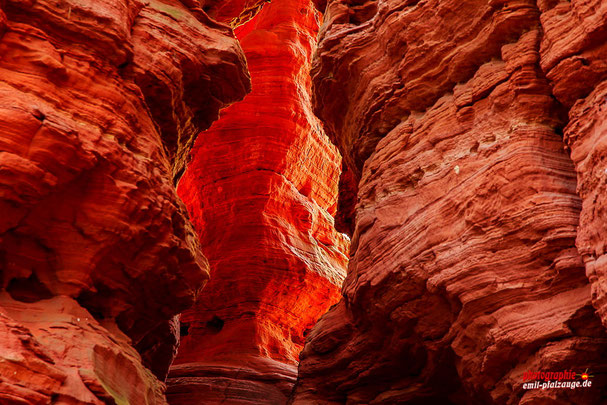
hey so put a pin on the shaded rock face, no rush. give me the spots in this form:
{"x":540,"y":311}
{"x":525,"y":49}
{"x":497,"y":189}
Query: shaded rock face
{"x":464,"y":271}
{"x":261,"y":190}
{"x":578,"y":72}
{"x":100,"y":102}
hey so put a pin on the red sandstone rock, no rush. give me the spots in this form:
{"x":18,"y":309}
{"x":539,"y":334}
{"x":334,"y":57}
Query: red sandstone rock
{"x":100,"y":101}
{"x":261,"y":190}
{"x":233,"y":12}
{"x":575,"y":57}
{"x":464,"y":271}
{"x":363,"y":88}
{"x":83,"y":363}
{"x":585,"y":134}
{"x":574,"y":47}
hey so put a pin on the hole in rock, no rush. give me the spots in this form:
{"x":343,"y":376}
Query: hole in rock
{"x":215,"y":325}
{"x":40,"y":116}
{"x":184,"y":329}
{"x":28,"y":289}
{"x":306,"y":189}
{"x":92,"y":302}
{"x":474,"y":148}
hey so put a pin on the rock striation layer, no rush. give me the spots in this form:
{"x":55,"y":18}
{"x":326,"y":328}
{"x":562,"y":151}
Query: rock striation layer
{"x":464,"y":272}
{"x":261,"y":190}
{"x":100,"y":103}
{"x":574,"y":55}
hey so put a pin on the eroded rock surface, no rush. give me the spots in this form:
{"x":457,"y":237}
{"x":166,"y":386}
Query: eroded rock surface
{"x":464,"y":271}
{"x":100,"y":102}
{"x":261,"y":190}
{"x":574,"y":55}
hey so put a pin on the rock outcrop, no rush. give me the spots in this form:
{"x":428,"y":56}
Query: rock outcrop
{"x":261,"y":190}
{"x":464,"y":272}
{"x":233,"y":12}
{"x":472,"y":183}
{"x":100,"y":103}
{"x":574,"y":56}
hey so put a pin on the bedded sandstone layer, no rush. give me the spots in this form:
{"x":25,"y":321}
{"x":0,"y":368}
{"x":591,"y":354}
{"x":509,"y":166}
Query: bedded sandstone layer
{"x":464,"y":271}
{"x":100,"y":103}
{"x":585,"y":135}
{"x":261,"y":190}
{"x":574,"y":56}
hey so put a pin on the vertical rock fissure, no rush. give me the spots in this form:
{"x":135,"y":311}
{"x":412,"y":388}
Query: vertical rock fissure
{"x":261,"y":190}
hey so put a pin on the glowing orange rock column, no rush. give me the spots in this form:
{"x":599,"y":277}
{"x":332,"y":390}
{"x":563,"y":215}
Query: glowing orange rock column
{"x":261,"y":190}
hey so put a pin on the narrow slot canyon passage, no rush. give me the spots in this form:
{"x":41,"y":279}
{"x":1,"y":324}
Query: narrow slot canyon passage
{"x":297,"y":202}
{"x":261,"y":190}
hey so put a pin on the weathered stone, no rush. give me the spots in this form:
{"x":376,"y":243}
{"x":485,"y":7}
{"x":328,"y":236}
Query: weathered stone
{"x":261,"y":190}
{"x":464,"y":272}
{"x":100,"y":101}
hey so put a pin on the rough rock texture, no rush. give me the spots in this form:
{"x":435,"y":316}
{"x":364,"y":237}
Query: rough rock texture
{"x":574,"y":55}
{"x":464,"y":271}
{"x":585,"y":134}
{"x":233,"y":12}
{"x":261,"y":190}
{"x":99,"y":103}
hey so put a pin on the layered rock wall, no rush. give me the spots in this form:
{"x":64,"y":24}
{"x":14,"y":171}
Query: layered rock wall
{"x":574,"y":56}
{"x":464,"y":271}
{"x":472,"y":135}
{"x":99,"y":104}
{"x":261,"y":190}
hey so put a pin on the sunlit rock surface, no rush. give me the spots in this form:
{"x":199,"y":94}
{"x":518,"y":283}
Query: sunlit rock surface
{"x":261,"y":190}
{"x":472,"y":185}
